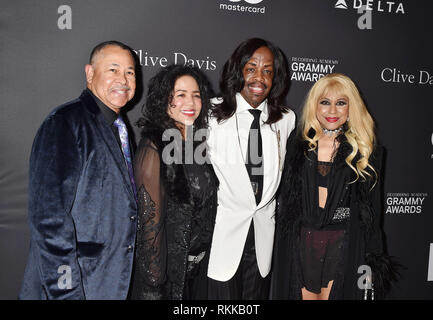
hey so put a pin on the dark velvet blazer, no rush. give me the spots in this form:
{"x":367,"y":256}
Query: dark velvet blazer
{"x":82,"y":210}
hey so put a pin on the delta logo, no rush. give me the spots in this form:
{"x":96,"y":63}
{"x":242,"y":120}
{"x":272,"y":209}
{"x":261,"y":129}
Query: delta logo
{"x":372,"y":5}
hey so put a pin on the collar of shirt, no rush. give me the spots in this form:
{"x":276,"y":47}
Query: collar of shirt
{"x":244,"y":120}
{"x":242,"y":106}
{"x":109,"y":115}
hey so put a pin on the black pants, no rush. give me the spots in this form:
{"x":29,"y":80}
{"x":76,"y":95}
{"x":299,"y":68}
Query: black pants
{"x":247,"y":283}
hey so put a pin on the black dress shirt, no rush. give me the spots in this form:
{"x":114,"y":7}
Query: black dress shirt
{"x":109,"y":115}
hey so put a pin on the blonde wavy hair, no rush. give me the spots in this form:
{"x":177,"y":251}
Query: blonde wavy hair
{"x":360,"y":134}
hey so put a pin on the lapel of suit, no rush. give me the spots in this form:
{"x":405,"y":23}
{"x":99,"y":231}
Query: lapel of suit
{"x":108,"y":138}
{"x":227,"y":157}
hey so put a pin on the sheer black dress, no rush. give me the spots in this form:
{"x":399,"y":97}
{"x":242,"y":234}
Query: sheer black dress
{"x":176,"y":217}
{"x":315,"y":245}
{"x":322,"y":233}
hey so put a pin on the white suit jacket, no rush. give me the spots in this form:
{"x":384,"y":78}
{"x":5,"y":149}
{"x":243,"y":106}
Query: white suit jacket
{"x":236,"y":202}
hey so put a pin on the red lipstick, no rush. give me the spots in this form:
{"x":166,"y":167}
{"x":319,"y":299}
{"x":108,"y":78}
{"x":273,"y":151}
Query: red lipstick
{"x":332,"y":119}
{"x":188,"y":113}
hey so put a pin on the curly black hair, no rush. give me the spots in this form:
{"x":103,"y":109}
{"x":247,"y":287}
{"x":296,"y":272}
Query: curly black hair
{"x":160,"y":94}
{"x":232,"y":80}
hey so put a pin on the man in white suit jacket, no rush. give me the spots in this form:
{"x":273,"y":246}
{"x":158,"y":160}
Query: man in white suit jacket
{"x":254,"y":78}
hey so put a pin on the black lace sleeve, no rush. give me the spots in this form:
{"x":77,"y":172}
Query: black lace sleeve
{"x":151,"y":249}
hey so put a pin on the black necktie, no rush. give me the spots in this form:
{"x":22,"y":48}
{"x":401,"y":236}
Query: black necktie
{"x":254,"y":156}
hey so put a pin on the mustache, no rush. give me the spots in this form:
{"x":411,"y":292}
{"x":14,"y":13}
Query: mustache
{"x":257,"y":82}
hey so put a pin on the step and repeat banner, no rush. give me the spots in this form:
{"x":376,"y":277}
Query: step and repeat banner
{"x":384,"y":46}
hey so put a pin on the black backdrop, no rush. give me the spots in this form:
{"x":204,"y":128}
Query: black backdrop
{"x":386,"y":50}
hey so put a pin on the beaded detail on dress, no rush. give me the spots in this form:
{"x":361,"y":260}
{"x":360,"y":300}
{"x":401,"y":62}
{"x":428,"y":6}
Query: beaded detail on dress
{"x":340,"y":214}
{"x":147,"y":263}
{"x":148,"y":237}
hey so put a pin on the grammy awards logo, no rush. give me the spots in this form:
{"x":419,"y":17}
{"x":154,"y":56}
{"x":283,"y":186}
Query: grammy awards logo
{"x":341,"y":4}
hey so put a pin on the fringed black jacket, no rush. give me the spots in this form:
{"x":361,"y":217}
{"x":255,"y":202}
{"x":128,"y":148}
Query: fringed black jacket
{"x":363,"y":244}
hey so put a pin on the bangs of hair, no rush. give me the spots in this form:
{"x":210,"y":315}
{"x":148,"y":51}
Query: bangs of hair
{"x":335,"y":87}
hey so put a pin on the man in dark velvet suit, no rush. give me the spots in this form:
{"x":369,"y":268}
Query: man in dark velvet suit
{"x":82,"y":204}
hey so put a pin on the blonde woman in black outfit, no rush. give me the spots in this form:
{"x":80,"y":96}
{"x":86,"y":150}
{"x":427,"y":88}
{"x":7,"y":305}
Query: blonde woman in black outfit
{"x":330,"y":207}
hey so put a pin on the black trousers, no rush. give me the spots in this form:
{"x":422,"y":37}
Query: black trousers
{"x":247,"y":283}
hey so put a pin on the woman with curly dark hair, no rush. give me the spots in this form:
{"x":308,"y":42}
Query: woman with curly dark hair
{"x":176,"y":189}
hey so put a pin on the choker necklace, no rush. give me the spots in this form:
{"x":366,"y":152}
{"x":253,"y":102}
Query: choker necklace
{"x":331,"y":132}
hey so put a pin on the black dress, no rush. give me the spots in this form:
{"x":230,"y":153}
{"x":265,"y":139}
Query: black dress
{"x":176,"y":217}
{"x":322,"y":235}
{"x":347,"y":233}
